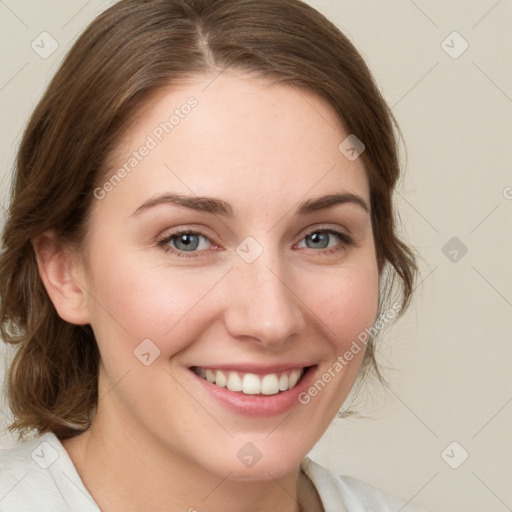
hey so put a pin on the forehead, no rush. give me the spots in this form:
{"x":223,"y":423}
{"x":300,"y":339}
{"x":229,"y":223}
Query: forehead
{"x":237,"y":137}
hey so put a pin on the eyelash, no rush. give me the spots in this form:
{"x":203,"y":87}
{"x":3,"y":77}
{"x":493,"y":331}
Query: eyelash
{"x":346,"y":241}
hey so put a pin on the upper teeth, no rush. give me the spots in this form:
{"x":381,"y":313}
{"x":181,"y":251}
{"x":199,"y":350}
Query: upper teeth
{"x":250,"y":383}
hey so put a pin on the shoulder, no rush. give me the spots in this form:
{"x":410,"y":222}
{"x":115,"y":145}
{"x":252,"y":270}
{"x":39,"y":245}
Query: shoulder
{"x":39,"y":475}
{"x":354,"y":494}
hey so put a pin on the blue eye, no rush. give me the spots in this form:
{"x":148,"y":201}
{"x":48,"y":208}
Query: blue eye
{"x":318,"y":240}
{"x":185,"y":241}
{"x":326,"y":239}
{"x":189,"y":243}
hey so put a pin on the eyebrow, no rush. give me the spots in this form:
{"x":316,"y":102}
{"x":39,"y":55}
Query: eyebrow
{"x":220,"y":207}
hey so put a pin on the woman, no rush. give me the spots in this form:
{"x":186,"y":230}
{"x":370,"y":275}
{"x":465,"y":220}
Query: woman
{"x":196,"y":248}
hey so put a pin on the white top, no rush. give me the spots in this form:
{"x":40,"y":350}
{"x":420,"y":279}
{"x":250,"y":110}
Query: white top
{"x":39,"y":476}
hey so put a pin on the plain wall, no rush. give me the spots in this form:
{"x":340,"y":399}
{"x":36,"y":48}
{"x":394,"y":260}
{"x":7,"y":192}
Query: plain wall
{"x":451,"y":353}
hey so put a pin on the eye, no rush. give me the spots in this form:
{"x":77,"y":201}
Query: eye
{"x":189,"y":243}
{"x":185,"y":241}
{"x":326,"y":239}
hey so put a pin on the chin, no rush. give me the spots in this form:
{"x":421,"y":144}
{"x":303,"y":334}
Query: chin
{"x":258,"y":460}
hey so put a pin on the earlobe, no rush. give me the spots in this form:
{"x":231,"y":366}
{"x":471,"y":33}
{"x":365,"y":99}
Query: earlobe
{"x":61,"y":275}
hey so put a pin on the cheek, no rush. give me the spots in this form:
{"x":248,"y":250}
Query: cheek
{"x":347,"y":305}
{"x":137,"y":298}
{"x":134,"y":301}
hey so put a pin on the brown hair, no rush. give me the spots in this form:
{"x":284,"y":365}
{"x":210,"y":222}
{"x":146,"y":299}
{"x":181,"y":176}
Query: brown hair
{"x":123,"y":58}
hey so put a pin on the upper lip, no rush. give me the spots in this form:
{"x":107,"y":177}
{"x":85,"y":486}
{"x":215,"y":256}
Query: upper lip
{"x":255,"y":368}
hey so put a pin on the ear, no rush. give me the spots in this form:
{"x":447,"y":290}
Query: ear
{"x":63,"y":277}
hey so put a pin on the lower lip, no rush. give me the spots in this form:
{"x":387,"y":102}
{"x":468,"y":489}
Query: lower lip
{"x":259,"y":405}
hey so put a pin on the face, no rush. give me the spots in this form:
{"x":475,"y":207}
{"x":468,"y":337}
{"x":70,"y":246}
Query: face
{"x":214,"y":256}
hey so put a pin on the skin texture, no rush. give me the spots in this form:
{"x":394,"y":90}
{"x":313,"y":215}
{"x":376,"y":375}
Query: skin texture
{"x":159,"y":441}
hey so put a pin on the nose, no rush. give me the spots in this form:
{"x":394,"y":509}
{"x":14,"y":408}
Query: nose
{"x":262,"y":304}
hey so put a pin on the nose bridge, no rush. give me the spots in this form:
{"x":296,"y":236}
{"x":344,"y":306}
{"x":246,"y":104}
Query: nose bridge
{"x":262,"y":304}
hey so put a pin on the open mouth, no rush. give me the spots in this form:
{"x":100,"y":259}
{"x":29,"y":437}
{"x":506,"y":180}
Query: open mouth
{"x":251,"y":383}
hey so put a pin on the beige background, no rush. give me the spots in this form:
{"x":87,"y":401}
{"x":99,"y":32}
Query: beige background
{"x":452,"y":352}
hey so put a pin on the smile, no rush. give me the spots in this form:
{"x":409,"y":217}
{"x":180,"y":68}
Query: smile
{"x":251,"y":383}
